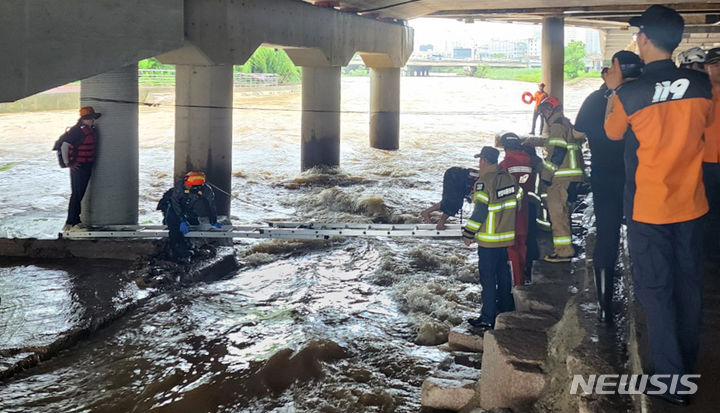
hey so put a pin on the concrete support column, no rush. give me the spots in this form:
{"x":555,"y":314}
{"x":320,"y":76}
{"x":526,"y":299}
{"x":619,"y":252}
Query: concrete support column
{"x":320,"y":117}
{"x":112,"y":196}
{"x":553,"y":55}
{"x":385,"y":108}
{"x":203,"y":126}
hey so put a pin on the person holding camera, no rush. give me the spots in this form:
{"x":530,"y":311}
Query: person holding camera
{"x":607,"y":180}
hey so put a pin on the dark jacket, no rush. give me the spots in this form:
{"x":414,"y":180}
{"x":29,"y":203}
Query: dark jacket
{"x":607,"y":155}
{"x":189,"y":204}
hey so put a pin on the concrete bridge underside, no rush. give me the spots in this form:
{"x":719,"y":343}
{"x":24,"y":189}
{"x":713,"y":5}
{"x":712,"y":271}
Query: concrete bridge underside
{"x":46,"y":43}
{"x":49,"y":43}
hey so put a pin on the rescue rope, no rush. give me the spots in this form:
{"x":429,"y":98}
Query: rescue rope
{"x":356,"y":112}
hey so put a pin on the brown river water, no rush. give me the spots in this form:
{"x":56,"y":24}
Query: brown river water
{"x":344,"y":325}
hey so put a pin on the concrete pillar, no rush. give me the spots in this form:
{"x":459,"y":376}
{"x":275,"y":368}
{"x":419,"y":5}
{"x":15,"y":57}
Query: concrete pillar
{"x":112,"y":196}
{"x":320,"y":117}
{"x":385,"y":108}
{"x":553,"y":55}
{"x":203,"y":126}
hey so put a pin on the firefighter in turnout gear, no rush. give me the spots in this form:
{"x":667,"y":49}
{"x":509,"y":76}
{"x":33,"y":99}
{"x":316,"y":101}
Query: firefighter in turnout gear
{"x":492,"y":225}
{"x":561,"y":167}
{"x":182,"y":206}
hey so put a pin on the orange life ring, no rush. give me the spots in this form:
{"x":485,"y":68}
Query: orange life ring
{"x":527,"y":98}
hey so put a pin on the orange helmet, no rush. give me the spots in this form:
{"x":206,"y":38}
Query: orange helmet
{"x":550,"y":103}
{"x":194,"y":178}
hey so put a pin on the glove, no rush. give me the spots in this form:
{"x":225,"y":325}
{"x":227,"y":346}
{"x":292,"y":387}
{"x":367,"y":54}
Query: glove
{"x":217,"y":225}
{"x":184,"y":227}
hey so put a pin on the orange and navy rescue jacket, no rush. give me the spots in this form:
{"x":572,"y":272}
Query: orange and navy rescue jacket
{"x":712,"y":133}
{"x":662,"y":117}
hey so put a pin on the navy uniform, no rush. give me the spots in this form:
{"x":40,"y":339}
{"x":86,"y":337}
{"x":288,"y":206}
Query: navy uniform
{"x":492,"y":225}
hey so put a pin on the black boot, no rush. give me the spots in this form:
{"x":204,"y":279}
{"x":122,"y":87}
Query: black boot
{"x":604,"y":288}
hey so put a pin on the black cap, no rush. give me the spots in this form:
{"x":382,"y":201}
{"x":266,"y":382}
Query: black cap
{"x":630,"y":64}
{"x":712,"y":56}
{"x":488,"y":153}
{"x":510,"y":140}
{"x":662,"y":25}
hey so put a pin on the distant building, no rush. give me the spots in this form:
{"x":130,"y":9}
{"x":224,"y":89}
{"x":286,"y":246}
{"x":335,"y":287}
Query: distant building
{"x":462,"y":53}
{"x":533,"y":47}
{"x":426,"y":48}
{"x":508,"y":48}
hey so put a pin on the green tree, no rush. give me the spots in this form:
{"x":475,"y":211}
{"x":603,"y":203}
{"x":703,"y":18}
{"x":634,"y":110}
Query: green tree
{"x":267,"y":60}
{"x":153,"y":63}
{"x":574,"y":54}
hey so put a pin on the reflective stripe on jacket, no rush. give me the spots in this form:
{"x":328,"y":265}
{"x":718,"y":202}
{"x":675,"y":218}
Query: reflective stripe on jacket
{"x":564,"y":158}
{"x":496,"y":198}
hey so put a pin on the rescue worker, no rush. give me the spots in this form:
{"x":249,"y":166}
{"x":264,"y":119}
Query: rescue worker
{"x":182,"y":206}
{"x":457,"y":185}
{"x":711,"y":159}
{"x":561,"y":167}
{"x":538,"y":97}
{"x":537,"y":213}
{"x":492,"y":226}
{"x":79,"y":151}
{"x":662,"y":117}
{"x":607,"y":180}
{"x":518,"y":163}
{"x":692,"y":58}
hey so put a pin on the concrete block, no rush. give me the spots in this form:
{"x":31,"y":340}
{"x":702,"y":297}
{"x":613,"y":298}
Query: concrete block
{"x":463,"y":337}
{"x":545,"y":298}
{"x":447,"y":394}
{"x":550,"y":273}
{"x":450,"y":389}
{"x":512,"y":369}
{"x":514,"y":320}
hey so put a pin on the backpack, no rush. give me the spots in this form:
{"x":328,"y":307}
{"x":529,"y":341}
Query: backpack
{"x":57,"y":147}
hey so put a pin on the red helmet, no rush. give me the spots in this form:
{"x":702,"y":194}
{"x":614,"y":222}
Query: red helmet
{"x":550,"y":103}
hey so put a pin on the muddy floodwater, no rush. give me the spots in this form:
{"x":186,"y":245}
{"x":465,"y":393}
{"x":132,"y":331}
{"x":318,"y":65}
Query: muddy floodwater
{"x":337,"y":326}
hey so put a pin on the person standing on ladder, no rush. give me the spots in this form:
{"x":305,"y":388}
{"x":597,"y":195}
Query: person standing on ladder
{"x":182,"y":206}
{"x":561,"y":167}
{"x":79,"y":151}
{"x":492,"y":226}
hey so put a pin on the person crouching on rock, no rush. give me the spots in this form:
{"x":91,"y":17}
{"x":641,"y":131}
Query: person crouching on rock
{"x":182,"y":205}
{"x":457,"y":185}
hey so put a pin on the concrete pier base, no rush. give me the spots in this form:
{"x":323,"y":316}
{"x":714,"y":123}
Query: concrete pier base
{"x":203,"y":126}
{"x":320,"y":144}
{"x":385,"y":108}
{"x":112,"y":196}
{"x":553,"y":55}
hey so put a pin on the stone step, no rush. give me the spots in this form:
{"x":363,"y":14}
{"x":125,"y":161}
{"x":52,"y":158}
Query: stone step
{"x":512,"y":373}
{"x":532,"y":321}
{"x":465,"y":337}
{"x":550,"y":273}
{"x":450,"y":389}
{"x":549,"y":298}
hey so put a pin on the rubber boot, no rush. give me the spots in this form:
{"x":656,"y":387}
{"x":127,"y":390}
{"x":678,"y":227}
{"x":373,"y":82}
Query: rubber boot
{"x":604,"y":289}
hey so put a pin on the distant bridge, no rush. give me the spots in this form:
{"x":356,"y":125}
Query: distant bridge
{"x":421,"y":67}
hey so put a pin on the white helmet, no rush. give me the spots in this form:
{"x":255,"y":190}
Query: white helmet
{"x":691,"y":55}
